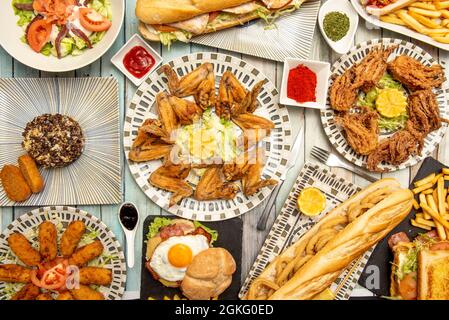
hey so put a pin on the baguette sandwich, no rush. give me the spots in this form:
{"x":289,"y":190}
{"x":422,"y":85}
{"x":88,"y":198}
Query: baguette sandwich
{"x":313,"y":263}
{"x":171,"y":20}
{"x":420,"y":269}
{"x":383,"y":7}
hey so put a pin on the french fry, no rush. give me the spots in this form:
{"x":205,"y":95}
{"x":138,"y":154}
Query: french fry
{"x":393,"y":20}
{"x":411,"y":22}
{"x":441,"y":39}
{"x":441,"y":5}
{"x":425,"y":12}
{"x":428,"y":191}
{"x":445,"y":13}
{"x":425,"y":180}
{"x":425,"y":20}
{"x":423,"y":188}
{"x":435,"y":215}
{"x":446,"y":177}
{"x":421,"y":226}
{"x":435,"y":179}
{"x":423,"y":199}
{"x":416,"y":204}
{"x":420,"y":215}
{"x":425,"y":222}
{"x":424,"y":5}
{"x":445,"y":171}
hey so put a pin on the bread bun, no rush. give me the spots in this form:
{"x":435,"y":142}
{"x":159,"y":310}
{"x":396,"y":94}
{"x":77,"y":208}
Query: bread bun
{"x":209,"y":274}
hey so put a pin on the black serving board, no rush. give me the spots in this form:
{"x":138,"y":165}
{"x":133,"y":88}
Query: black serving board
{"x":230,"y":233}
{"x":381,"y":258}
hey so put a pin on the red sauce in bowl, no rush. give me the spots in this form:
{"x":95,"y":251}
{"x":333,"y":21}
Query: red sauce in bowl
{"x":138,"y":61}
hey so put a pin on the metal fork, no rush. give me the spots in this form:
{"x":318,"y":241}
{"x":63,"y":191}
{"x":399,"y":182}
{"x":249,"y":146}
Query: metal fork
{"x":333,"y":160}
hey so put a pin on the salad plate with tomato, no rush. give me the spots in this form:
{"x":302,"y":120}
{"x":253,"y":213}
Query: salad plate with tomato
{"x":60,"y":35}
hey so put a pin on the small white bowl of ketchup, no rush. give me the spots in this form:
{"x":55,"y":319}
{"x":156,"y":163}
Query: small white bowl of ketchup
{"x":136,"y":59}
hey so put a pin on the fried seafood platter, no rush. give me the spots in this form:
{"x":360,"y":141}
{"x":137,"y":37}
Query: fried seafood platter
{"x":206,"y":136}
{"x":386,"y":103}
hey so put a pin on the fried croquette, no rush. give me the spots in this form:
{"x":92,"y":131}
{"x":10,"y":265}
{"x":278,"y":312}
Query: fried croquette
{"x":44,"y":296}
{"x":48,"y":242}
{"x":86,"y":293}
{"x":23,"y":250}
{"x":14,"y":183}
{"x":14,"y":273}
{"x":94,"y":275}
{"x":31,"y":173}
{"x":66,"y":295}
{"x":86,"y":253}
{"x":28,"y":292}
{"x":71,"y":237}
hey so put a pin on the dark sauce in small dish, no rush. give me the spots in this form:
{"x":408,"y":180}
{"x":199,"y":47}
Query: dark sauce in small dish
{"x":129,"y":216}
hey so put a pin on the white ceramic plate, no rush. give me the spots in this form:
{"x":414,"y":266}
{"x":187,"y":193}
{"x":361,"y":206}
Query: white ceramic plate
{"x":343,"y":45}
{"x":277,"y":146}
{"x":355,"y":55}
{"x":27,"y":224}
{"x":10,"y":41}
{"x":396,"y":28}
{"x":94,"y":178}
{"x":292,"y":36}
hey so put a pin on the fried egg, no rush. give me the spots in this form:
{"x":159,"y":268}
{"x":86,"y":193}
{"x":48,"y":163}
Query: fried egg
{"x":172,"y":257}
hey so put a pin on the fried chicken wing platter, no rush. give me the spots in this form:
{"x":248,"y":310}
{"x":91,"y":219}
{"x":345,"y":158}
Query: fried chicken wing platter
{"x":386,"y":105}
{"x":52,"y":263}
{"x":211,"y":134}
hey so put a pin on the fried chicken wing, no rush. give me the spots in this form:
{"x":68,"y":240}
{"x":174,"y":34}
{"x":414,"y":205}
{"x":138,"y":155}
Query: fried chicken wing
{"x":48,"y":242}
{"x":23,"y":250}
{"x":166,"y":113}
{"x":86,"y":253}
{"x":28,"y":292}
{"x":14,"y":273}
{"x":249,"y":104}
{"x":230,"y":94}
{"x":343,"y":92}
{"x":171,"y":177}
{"x":255,"y":128}
{"x":361,"y":131}
{"x":71,"y":237}
{"x":86,"y":293}
{"x":95,"y":275}
{"x":212,"y":186}
{"x":186,"y":111}
{"x":371,"y":69}
{"x":252,"y":181}
{"x":394,"y":150}
{"x":237,"y":169}
{"x":414,"y":75}
{"x":423,"y":111}
{"x":200,"y":83}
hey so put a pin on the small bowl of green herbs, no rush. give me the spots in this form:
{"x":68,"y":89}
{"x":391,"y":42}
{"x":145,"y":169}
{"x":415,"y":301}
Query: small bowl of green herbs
{"x":338,"y":23}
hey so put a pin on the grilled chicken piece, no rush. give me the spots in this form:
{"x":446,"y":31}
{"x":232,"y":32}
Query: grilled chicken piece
{"x":255,"y":128}
{"x":230,"y":94}
{"x":414,"y":75}
{"x":171,"y":177}
{"x":166,"y":113}
{"x":196,"y":25}
{"x":200,"y":83}
{"x":186,"y":111}
{"x":237,"y":169}
{"x":212,"y":186}
{"x":252,"y":181}
{"x":361,"y":131}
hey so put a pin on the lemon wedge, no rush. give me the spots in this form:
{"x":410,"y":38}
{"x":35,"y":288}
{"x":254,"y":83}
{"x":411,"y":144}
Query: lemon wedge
{"x":311,"y":202}
{"x":325,"y":295}
{"x":391,"y":103}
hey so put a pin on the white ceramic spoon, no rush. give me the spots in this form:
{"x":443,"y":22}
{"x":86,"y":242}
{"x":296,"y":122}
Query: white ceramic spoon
{"x":344,"y":6}
{"x":130,"y":234}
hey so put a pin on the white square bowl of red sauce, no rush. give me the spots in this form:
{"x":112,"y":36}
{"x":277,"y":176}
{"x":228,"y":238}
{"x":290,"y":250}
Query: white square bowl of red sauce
{"x":136,"y":59}
{"x":305,"y":83}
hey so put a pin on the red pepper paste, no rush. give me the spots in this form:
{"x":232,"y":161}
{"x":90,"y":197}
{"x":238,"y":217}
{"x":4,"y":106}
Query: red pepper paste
{"x":301,"y":85}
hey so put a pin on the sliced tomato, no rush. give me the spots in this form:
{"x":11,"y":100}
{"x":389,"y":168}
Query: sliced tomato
{"x":93,"y":21}
{"x":39,"y":6}
{"x":213,"y":15}
{"x":408,"y":287}
{"x":51,"y":275}
{"x":38,"y":34}
{"x":164,"y":28}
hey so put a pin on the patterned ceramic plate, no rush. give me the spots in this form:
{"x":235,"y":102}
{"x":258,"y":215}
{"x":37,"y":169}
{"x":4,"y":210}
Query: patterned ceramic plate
{"x":290,"y":226}
{"x":357,"y":54}
{"x":277,"y":145}
{"x":95,"y":177}
{"x":291,"y":37}
{"x":112,"y":257}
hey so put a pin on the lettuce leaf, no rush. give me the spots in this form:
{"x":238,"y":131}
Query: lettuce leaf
{"x":103,"y":7}
{"x":156,"y":225}
{"x":97,"y":37}
{"x":213,"y":233}
{"x":25,"y":17}
{"x":46,"y":50}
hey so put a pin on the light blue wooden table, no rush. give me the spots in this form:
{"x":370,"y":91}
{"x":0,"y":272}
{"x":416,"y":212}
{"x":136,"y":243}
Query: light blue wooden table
{"x":314,"y":134}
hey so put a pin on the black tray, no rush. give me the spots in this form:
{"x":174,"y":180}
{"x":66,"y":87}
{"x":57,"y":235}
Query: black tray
{"x":376,"y":276}
{"x":230,"y":234}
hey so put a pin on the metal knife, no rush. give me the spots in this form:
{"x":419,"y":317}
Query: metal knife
{"x":271,"y":205}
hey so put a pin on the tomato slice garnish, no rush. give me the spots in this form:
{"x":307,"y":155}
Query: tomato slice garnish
{"x":53,"y":278}
{"x":93,"y":21}
{"x":164,"y":28}
{"x":213,"y":16}
{"x":38,"y":34}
